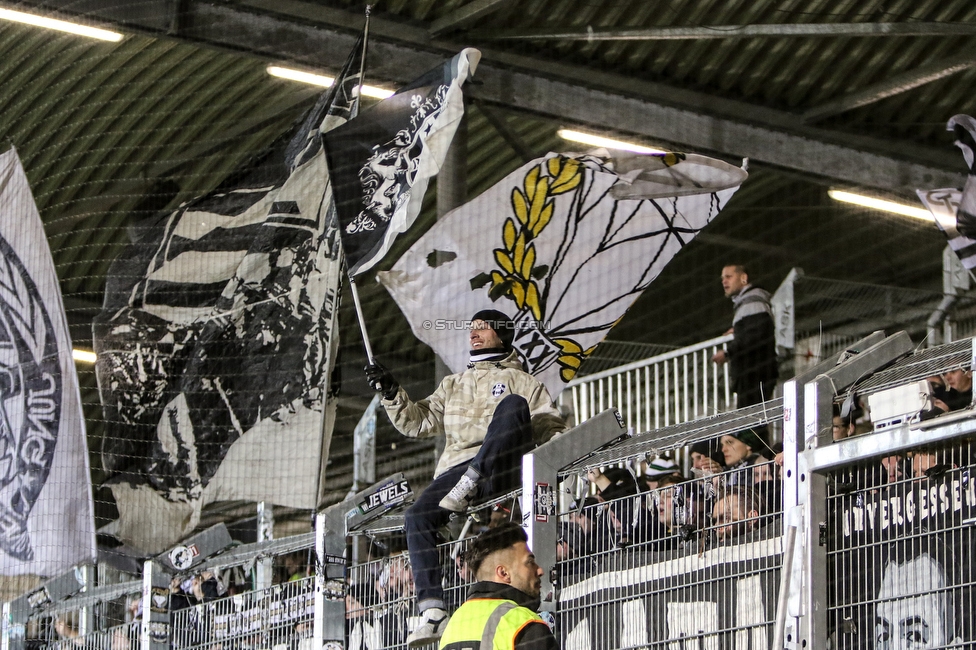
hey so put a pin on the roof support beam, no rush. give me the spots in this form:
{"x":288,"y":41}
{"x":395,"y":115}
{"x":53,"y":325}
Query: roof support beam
{"x":739,"y":31}
{"x":894,"y":86}
{"x":685,"y":119}
{"x":510,"y":137}
{"x":471,"y":11}
{"x":695,"y":131}
{"x":121,"y":190}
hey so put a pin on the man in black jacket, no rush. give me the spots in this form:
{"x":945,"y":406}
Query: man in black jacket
{"x":502,"y":605}
{"x":752,"y":351}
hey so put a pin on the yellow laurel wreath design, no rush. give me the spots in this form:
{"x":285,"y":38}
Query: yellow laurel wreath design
{"x":533,"y":205}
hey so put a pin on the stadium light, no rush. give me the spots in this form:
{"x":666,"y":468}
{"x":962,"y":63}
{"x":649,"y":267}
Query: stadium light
{"x":881,"y":204}
{"x":84,"y":356}
{"x":600,"y":141}
{"x":59,"y":25}
{"x":323,"y":81}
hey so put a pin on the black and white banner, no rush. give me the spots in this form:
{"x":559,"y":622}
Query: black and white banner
{"x":217,"y":340}
{"x":46,"y":514}
{"x":901,"y":562}
{"x":944,"y":206}
{"x":382,"y":161}
{"x":954,"y":210}
{"x":563,"y":245}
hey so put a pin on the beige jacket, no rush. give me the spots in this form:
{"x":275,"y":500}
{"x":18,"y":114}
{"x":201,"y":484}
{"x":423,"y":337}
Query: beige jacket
{"x":463,"y":404}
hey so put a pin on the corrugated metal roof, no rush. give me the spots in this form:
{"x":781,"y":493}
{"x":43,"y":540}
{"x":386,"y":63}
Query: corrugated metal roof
{"x":111,"y":132}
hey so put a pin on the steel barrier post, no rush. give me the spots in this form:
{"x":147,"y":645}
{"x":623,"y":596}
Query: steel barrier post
{"x":86,"y":614}
{"x":264,"y":566}
{"x":540,"y":482}
{"x":328,"y":627}
{"x":812,"y":493}
{"x":155,"y":633}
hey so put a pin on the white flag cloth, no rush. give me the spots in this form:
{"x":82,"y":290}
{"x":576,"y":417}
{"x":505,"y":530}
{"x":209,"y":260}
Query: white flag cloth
{"x":563,"y":246}
{"x":944,"y":205}
{"x":954,"y":210}
{"x":46,"y":513}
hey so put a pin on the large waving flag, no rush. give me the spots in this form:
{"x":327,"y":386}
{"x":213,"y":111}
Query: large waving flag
{"x":563,"y":245}
{"x":964,"y":128}
{"x":46,"y":514}
{"x":955,"y":211}
{"x":382,"y":161}
{"x":217,"y":340}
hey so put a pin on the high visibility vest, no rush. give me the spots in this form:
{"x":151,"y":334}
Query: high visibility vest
{"x":487,"y":624}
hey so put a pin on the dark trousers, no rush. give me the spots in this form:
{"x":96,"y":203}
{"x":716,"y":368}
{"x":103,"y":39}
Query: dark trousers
{"x":499,"y":461}
{"x":749,"y":393}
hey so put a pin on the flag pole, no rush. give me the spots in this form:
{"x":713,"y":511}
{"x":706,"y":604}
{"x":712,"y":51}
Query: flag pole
{"x":354,"y":113}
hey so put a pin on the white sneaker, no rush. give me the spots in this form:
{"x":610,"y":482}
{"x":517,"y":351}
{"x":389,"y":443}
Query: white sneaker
{"x":432,"y":626}
{"x":460,"y":495}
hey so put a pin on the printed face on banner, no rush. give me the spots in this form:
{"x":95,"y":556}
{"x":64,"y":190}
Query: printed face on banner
{"x":913,"y":611}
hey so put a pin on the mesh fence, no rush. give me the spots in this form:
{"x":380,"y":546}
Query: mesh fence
{"x":278,"y":616}
{"x":219,"y":384}
{"x":900,"y":543}
{"x":691,"y":561}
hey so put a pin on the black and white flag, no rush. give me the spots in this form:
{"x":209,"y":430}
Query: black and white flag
{"x":563,"y":245}
{"x":382,"y":161}
{"x":954,"y":211}
{"x":217,"y":340}
{"x":46,"y":513}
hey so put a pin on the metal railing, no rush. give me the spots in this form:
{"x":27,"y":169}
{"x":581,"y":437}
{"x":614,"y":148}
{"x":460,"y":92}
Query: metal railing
{"x":899,"y":543}
{"x":667,"y":389}
{"x":280,"y":615}
{"x":883,"y":522}
{"x":676,"y":565}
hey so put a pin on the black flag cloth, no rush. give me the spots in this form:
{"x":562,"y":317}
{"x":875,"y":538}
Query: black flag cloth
{"x":954,"y":211}
{"x":216,"y":341}
{"x":380,"y":162}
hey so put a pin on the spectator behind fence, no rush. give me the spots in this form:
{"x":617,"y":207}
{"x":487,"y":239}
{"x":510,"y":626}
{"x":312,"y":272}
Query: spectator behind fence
{"x":752,"y":351}
{"x":616,"y":485}
{"x":577,"y":534}
{"x":736,"y":514}
{"x":842,"y":427}
{"x":952,"y":391}
{"x":768,"y":481}
{"x":707,"y":458}
{"x":500,"y":611}
{"x":652,"y":472}
{"x":492,"y":413}
{"x":934,"y":461}
{"x":682,"y":509}
{"x":742,"y":450}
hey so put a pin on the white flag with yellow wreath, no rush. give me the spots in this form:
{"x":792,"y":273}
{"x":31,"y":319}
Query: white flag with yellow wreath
{"x":563,"y":245}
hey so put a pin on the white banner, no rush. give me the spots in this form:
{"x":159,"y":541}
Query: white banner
{"x":46,"y":513}
{"x":563,"y":245}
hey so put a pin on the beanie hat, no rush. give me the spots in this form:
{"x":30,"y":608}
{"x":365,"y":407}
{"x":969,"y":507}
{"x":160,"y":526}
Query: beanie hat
{"x":705,"y":448}
{"x":752,"y":439}
{"x":503,"y":326}
{"x":622,"y":484}
{"x":660,"y":467}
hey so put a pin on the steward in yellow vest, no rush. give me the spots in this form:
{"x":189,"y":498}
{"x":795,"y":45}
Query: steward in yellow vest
{"x":500,"y":612}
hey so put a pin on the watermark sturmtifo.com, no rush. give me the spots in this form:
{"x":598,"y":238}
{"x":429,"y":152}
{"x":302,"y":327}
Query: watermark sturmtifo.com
{"x":443,"y":324}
